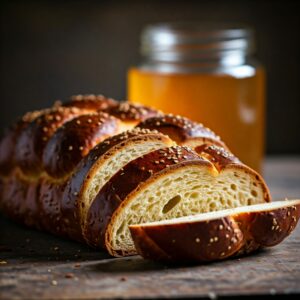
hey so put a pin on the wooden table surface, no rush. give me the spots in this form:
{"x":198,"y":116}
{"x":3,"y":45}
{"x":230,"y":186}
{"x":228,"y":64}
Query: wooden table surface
{"x":37,"y":265}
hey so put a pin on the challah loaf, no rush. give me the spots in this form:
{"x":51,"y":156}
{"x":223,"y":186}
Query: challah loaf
{"x":89,"y":168}
{"x":216,"y":235}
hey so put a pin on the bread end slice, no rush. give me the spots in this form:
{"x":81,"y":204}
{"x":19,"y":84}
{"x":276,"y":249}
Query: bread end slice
{"x":216,"y":235}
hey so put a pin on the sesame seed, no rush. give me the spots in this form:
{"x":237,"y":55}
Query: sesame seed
{"x":54,"y":282}
{"x":80,"y":148}
{"x":221,"y":227}
{"x":173,"y":241}
{"x":223,"y":253}
{"x":227,"y":236}
{"x":216,"y":238}
{"x":70,"y":148}
{"x":78,"y":122}
{"x":229,"y":247}
{"x":211,"y":240}
{"x":197,"y":240}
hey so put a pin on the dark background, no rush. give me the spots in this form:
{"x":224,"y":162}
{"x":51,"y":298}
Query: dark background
{"x":53,"y":49}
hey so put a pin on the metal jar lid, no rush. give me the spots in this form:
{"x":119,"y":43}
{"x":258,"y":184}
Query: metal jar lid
{"x":196,"y":42}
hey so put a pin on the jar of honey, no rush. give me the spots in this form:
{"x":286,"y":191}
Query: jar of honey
{"x":206,"y":73}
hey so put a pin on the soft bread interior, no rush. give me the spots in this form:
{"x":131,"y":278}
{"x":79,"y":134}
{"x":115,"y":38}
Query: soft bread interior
{"x":115,"y":160}
{"x":182,"y":192}
{"x":262,"y":207}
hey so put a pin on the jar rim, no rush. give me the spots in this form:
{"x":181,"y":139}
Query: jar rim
{"x":190,"y":41}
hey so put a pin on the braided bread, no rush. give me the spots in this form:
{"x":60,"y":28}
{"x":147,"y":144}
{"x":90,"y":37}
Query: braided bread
{"x":89,"y":168}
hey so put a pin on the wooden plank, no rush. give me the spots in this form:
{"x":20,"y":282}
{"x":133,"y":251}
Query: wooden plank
{"x":41,"y":266}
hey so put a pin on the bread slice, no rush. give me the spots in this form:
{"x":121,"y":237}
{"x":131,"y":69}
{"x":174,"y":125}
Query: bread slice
{"x":216,"y":235}
{"x":164,"y":184}
{"x":97,"y":168}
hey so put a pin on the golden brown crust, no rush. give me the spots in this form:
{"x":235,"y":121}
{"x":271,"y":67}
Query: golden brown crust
{"x":34,"y":137}
{"x":9,"y":140}
{"x":182,"y":130}
{"x":71,"y":142}
{"x":190,"y":242}
{"x":49,"y":205}
{"x":126,"y":181}
{"x":219,"y":238}
{"x":20,"y":199}
{"x":267,"y":228}
{"x":144,"y":244}
{"x":31,"y":209}
{"x":133,"y":113}
{"x":91,"y":102}
{"x":14,"y":194}
{"x":219,"y":156}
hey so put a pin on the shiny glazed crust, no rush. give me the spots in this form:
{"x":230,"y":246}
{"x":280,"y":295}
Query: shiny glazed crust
{"x":182,"y":130}
{"x":132,"y":113}
{"x":71,"y":142}
{"x":33,"y":139}
{"x":90,"y":102}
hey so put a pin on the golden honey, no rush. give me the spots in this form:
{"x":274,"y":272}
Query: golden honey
{"x":229,"y":99}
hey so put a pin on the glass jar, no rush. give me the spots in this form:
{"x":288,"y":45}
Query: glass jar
{"x":206,"y":73}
